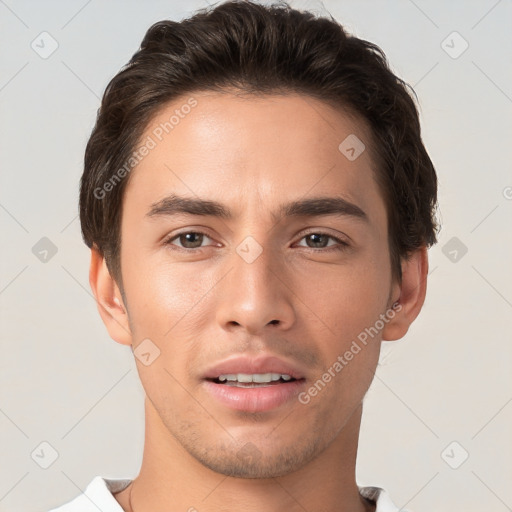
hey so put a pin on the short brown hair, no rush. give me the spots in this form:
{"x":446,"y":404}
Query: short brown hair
{"x":261,"y":50}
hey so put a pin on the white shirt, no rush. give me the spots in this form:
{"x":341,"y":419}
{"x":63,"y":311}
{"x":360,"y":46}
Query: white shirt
{"x":99,"y":496}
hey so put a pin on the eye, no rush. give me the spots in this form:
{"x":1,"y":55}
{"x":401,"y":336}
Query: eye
{"x":188,"y":239}
{"x":319,"y":240}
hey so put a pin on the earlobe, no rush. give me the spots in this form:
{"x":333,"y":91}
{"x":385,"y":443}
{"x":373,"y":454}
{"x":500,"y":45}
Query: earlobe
{"x":109,"y":299}
{"x":412,"y":295}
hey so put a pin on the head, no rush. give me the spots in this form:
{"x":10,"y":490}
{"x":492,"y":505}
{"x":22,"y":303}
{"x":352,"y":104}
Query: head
{"x":219,"y":155}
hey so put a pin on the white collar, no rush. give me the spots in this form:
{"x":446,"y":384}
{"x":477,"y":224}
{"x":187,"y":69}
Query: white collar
{"x":100,"y":494}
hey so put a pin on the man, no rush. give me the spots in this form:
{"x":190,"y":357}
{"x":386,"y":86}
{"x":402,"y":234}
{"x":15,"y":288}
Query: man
{"x":258,"y":203}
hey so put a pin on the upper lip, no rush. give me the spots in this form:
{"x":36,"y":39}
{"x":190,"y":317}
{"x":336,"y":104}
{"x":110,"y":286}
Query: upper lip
{"x":251,"y":365}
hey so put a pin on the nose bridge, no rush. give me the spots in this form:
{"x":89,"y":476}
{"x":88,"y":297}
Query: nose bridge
{"x":254,"y":293}
{"x":255,"y":263}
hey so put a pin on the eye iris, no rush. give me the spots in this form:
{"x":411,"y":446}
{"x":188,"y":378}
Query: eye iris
{"x":317,"y":239}
{"x":316,"y":236}
{"x":187,"y":236}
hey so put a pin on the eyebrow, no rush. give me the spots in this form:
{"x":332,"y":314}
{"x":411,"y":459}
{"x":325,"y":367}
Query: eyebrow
{"x":310,"y":207}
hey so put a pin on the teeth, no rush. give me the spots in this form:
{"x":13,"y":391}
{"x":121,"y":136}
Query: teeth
{"x":255,"y":377}
{"x":262,"y":377}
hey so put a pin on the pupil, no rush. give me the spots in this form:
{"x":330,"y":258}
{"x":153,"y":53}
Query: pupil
{"x":192,"y":235}
{"x":316,"y":235}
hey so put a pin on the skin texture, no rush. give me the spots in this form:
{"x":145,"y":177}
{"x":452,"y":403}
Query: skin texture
{"x":298,"y":301}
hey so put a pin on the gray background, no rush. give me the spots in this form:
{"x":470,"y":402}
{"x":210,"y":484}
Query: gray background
{"x":65,"y":382}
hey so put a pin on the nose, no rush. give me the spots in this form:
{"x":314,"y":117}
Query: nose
{"x":256,"y":294}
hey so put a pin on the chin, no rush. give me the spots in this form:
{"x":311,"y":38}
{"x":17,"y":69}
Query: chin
{"x":251,"y":461}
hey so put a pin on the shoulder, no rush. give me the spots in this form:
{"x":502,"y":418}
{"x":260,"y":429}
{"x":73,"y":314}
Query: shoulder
{"x":381,"y":499}
{"x":97,"y":495}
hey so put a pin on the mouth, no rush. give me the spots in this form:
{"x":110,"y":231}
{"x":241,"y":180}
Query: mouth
{"x":255,"y":380}
{"x":254,"y":385}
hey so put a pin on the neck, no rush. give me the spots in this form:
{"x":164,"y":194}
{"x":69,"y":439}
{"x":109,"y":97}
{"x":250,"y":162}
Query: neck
{"x":171,"y":479}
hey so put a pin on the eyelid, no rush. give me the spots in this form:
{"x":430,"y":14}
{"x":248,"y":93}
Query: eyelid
{"x":341,"y":237}
{"x":169,"y":239}
{"x":340,"y":245}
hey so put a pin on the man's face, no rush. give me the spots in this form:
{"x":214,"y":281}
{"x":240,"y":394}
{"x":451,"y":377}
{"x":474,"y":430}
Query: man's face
{"x":254,"y":294}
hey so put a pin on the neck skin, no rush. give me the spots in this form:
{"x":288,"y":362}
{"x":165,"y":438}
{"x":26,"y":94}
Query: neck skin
{"x":171,"y":479}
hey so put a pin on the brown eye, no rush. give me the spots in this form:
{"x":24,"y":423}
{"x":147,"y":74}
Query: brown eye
{"x":318,"y":240}
{"x":188,"y":240}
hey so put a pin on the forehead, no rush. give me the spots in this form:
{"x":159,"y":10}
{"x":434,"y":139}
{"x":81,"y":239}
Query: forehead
{"x":245,"y":150}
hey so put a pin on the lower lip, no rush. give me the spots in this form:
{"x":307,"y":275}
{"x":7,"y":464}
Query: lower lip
{"x":257,"y":399}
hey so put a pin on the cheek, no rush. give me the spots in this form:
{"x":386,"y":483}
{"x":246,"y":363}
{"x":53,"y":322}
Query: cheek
{"x":160,"y":292}
{"x":347,"y":298}
{"x":165,"y":307}
{"x":349,"y":305}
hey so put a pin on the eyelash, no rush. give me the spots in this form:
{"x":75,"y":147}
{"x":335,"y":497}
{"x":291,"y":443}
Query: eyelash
{"x":340,"y":247}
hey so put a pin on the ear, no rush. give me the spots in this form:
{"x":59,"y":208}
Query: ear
{"x":109,"y":299}
{"x":412,"y":293}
